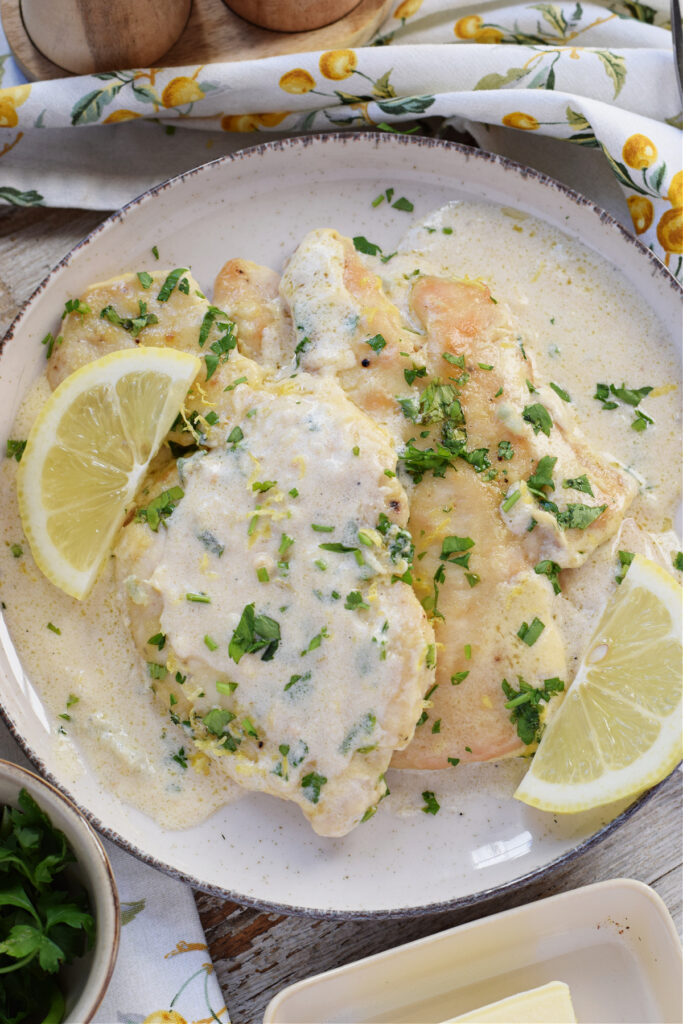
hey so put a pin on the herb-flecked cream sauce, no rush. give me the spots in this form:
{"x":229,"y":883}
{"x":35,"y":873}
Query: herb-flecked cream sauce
{"x":581,"y":324}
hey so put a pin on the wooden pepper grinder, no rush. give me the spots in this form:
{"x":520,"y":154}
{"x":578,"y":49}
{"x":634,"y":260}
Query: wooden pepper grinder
{"x":291,"y":15}
{"x":85,"y":36}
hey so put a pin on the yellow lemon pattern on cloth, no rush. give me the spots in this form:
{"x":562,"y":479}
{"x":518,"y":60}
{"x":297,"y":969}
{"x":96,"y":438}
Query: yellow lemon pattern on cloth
{"x":599,"y":75}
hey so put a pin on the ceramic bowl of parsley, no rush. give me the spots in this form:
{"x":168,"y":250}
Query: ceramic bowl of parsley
{"x":59,"y":909}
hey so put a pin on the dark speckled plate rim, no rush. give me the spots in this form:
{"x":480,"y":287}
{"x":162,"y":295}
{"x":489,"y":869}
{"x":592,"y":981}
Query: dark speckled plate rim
{"x":332,"y":139}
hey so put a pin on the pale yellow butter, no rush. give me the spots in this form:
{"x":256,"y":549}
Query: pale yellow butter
{"x":549,"y":1004}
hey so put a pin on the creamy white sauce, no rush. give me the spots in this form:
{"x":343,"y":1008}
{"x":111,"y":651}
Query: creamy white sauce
{"x":583,"y":326}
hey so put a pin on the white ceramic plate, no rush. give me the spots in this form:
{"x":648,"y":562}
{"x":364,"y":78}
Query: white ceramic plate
{"x":258,"y":204}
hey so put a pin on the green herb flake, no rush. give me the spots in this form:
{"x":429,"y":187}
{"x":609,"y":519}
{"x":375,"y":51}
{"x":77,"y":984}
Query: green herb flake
{"x":578,"y":516}
{"x":505,"y":451}
{"x":436,"y":726}
{"x":377,"y":200}
{"x":254,"y":633}
{"x":542,"y":477}
{"x":322,"y":529}
{"x":354,"y":601}
{"x":49,"y":341}
{"x":625,"y":559}
{"x":217,"y":721}
{"x":235,"y":383}
{"x":529,"y":634}
{"x":432,"y":805}
{"x":261,"y":486}
{"x":158,"y":641}
{"x":361,"y":244}
{"x":15,"y":448}
{"x":226,"y":688}
{"x":155,"y":252}
{"x":560,"y":392}
{"x":430,"y":656}
{"x":641,"y":421}
{"x":524,"y":705}
{"x":316,"y":641}
{"x":262,"y":574}
{"x":160,"y":508}
{"x":579,"y":483}
{"x":200,"y":598}
{"x":312,"y":784}
{"x":552,"y":570}
{"x":235,"y":435}
{"x":17,"y":550}
{"x":403,"y":204}
{"x":54,"y":629}
{"x":170,"y":283}
{"x":377,"y":343}
{"x":146,"y":280}
{"x":455,"y":761}
{"x":511,"y":500}
{"x":539,"y":417}
{"x":458,"y":677}
{"x":210,"y":643}
{"x":75,"y":306}
{"x":677,"y":560}
{"x":156,"y":671}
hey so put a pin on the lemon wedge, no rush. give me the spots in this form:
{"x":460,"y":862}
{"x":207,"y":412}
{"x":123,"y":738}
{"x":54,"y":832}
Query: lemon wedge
{"x":87,"y":453}
{"x":618,"y":730}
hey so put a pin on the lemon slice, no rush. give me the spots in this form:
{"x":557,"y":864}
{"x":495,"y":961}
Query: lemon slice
{"x":87,"y":453}
{"x":618,"y":730}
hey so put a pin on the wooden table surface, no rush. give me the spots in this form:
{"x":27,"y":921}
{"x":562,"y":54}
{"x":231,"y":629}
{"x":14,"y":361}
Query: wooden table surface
{"x":256,"y":954}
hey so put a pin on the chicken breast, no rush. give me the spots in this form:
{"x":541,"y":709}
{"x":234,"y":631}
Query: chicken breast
{"x":266,"y":605}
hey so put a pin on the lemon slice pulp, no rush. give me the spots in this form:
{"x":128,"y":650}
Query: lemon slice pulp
{"x":87,"y":453}
{"x":618,"y":730}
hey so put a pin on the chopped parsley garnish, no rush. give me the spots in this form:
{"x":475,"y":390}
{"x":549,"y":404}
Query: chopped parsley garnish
{"x":156,"y":671}
{"x":468,"y":651}
{"x":17,"y":550}
{"x":302,"y":680}
{"x":361,"y":244}
{"x":15,"y":448}
{"x":212,"y":313}
{"x":377,"y":343}
{"x":430,"y":656}
{"x":403,"y":204}
{"x":422,"y":719}
{"x":311,"y":785}
{"x":235,"y":383}
{"x":414,"y":373}
{"x":235,"y":435}
{"x":211,"y":418}
{"x":322,"y":529}
{"x":432,"y":805}
{"x":552,"y":570}
{"x":198,"y":598}
{"x":131,"y":324}
{"x":529,"y":634}
{"x":262,"y":574}
{"x":453,"y":760}
{"x":155,"y":252}
{"x":336,"y":546}
{"x":539,"y":417}
{"x":263,"y":485}
{"x":49,"y":341}
{"x":505,"y":450}
{"x":316,"y":641}
{"x":158,"y":641}
{"x":485,"y":366}
{"x":564,"y":395}
{"x":531,"y":387}
{"x":524,"y":705}
{"x":364,"y":727}
{"x":75,"y":306}
{"x":170,"y":283}
{"x":145,"y":279}
{"x":285,"y":543}
{"x":472,"y":578}
{"x":226,"y":688}
{"x":211,"y":543}
{"x":354,"y":600}
{"x":631,"y":396}
{"x":160,"y":508}
{"x":220,"y":349}
{"x":543,"y":476}
{"x":210,"y":642}
{"x":54,"y":629}
{"x":578,"y":517}
{"x":579,"y":483}
{"x":293,"y":493}
{"x":436,"y":726}
{"x":458,"y":361}
{"x":625,"y":559}
{"x":677,"y":560}
{"x":254,"y":633}
{"x":217,"y":721}
{"x":184,"y":286}
{"x":301,"y":348}
{"x":458,"y":677}
{"x":249,"y":728}
{"x":453,"y":544}
{"x":641,"y":421}
{"x":180,"y":758}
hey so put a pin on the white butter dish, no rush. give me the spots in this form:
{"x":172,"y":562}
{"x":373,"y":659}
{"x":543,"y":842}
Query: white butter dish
{"x":613,"y":943}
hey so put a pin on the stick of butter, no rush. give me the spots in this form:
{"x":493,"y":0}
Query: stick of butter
{"x":549,"y":1004}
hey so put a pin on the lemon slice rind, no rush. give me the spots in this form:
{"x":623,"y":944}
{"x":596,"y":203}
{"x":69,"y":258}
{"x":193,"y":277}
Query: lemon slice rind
{"x":647,"y":767}
{"x":179,"y":368}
